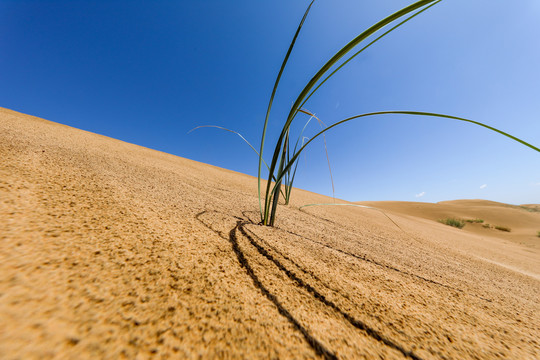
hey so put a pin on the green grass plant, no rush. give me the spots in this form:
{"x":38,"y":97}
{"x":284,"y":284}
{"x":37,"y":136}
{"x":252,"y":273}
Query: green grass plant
{"x":284,"y":163}
{"x":529,"y":208}
{"x":538,"y":234}
{"x":474,"y":221}
{"x":458,"y":223}
{"x":283,"y":160}
{"x":503,"y":228}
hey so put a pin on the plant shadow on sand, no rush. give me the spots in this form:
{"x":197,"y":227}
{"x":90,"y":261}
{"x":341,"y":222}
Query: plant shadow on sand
{"x":234,"y":235}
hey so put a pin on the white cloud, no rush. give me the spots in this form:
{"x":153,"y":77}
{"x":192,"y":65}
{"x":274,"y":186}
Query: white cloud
{"x":483,"y":186}
{"x":420,"y":195}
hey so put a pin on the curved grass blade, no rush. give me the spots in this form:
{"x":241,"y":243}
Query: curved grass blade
{"x":352,"y":44}
{"x":291,"y":46}
{"x":234,"y":132}
{"x":419,"y":113}
{"x":364,"y":48}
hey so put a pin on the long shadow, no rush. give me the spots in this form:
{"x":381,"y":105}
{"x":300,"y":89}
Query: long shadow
{"x":317,"y":295}
{"x":314,"y":343}
{"x":307,"y":272}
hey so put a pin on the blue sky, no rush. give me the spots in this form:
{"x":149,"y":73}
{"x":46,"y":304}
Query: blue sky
{"x":146,"y":72}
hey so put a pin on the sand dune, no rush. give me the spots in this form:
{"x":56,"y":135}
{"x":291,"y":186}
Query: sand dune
{"x":523,"y":221}
{"x":111,"y":250}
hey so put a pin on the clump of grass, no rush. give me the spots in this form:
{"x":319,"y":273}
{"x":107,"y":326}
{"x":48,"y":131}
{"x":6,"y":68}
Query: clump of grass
{"x":453,"y":222}
{"x":538,"y":234}
{"x":474,"y":221}
{"x":282,"y":168}
{"x":503,"y":228}
{"x":487,"y":226}
{"x":529,"y":208}
{"x":283,"y":160}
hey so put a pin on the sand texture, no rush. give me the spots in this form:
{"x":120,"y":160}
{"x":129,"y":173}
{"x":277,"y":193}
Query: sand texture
{"x":111,"y":250}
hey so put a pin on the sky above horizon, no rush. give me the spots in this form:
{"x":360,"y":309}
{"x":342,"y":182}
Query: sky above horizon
{"x":148,"y":72}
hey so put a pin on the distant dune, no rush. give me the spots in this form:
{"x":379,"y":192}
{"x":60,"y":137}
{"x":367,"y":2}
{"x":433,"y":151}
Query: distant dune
{"x":522,"y":220}
{"x":109,"y":250}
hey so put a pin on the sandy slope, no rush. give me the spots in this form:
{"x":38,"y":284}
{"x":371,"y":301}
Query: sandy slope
{"x":111,"y":250}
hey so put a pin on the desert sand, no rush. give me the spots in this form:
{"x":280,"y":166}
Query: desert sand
{"x":111,"y":250}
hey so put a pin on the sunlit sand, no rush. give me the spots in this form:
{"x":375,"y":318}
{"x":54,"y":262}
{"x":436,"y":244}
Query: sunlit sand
{"x":112,"y":250}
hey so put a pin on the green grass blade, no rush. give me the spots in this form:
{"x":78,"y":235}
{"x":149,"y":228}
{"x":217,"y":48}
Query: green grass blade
{"x":364,"y":48}
{"x":351,"y":45}
{"x":291,"y":46}
{"x":275,"y":197}
{"x":418,"y":113}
